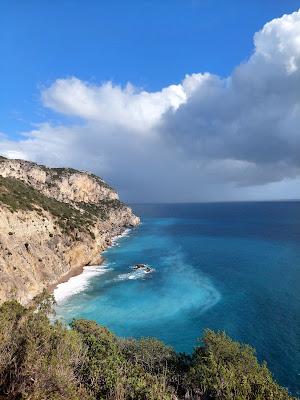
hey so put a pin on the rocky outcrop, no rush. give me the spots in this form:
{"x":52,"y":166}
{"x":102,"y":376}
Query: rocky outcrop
{"x":52,"y":221}
{"x":63,"y":184}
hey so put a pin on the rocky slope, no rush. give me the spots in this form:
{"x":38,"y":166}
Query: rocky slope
{"x":52,"y":221}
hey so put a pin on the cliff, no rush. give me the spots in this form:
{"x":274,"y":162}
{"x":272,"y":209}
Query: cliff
{"x":52,"y":221}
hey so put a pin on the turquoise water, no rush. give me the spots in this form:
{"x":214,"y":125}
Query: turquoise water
{"x":233,"y":267}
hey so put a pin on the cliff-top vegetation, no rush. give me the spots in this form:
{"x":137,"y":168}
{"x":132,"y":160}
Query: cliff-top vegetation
{"x":54,"y":174}
{"x":17,"y":195}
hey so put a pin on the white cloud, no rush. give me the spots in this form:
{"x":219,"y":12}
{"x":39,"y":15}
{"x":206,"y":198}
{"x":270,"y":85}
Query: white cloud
{"x":204,"y":138}
{"x":279,"y":42}
{"x":128,"y":107}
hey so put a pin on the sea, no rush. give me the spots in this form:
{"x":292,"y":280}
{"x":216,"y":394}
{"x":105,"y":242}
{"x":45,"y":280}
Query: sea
{"x":232,"y":267}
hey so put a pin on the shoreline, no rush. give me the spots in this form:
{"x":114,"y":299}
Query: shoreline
{"x":80,"y":269}
{"x":70,"y":274}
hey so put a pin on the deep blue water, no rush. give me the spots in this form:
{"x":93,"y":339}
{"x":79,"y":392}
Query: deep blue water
{"x":232,"y":266}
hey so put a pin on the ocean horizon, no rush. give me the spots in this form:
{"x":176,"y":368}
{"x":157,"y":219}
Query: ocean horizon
{"x":229,"y":266}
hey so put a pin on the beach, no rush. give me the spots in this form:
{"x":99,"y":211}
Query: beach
{"x":77,"y":279}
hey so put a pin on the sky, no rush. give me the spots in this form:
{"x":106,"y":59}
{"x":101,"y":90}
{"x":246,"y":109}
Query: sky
{"x":168,"y":101}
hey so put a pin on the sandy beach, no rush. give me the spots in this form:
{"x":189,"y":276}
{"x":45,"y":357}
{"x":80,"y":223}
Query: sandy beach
{"x":73,"y":272}
{"x":80,"y":270}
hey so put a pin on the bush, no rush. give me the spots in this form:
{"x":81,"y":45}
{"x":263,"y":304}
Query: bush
{"x":103,"y":363}
{"x":110,"y":372}
{"x":38,"y":360}
{"x":152,"y":354}
{"x":227,"y":370}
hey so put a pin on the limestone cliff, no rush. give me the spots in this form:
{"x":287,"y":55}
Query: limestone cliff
{"x":63,"y":184}
{"x":52,"y":221}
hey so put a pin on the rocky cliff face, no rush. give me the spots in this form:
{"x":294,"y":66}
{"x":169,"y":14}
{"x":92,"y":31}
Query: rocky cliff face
{"x":52,"y":221}
{"x":63,"y":184}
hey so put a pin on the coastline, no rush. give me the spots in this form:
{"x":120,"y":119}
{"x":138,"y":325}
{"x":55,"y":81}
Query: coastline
{"x":70,"y":274}
{"x":77,"y":271}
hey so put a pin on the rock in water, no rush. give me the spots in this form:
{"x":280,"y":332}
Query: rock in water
{"x":143,"y":267}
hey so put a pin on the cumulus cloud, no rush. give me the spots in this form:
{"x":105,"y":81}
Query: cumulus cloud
{"x":205,"y":138}
{"x":127,"y":107}
{"x":252,"y":118}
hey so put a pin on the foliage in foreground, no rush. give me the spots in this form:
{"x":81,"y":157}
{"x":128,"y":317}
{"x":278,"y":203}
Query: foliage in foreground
{"x":40,"y":360}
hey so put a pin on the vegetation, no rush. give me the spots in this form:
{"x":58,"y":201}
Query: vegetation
{"x":17,"y":195}
{"x":40,"y":360}
{"x":58,"y":173}
{"x":101,"y":181}
{"x":62,"y":171}
{"x":102,"y":209}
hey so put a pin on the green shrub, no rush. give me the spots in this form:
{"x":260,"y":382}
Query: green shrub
{"x":38,"y":360}
{"x":152,"y":354}
{"x":17,"y":195}
{"x":227,"y":370}
{"x":100,"y":372}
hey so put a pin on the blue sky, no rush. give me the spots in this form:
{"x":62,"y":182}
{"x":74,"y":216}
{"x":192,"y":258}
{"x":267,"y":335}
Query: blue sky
{"x":213,"y":100}
{"x":149,"y":43}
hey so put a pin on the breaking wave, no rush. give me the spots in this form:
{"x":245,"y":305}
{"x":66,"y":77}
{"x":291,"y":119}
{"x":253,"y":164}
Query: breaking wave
{"x":137,"y":274}
{"x":78,"y":283}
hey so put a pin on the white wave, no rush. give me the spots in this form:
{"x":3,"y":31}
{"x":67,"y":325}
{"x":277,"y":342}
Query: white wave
{"x":78,"y":283}
{"x":114,"y":240}
{"x":137,"y":274}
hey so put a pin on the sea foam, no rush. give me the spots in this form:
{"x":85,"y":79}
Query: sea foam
{"x":78,"y":283}
{"x":137,"y":274}
{"x":115,"y":240}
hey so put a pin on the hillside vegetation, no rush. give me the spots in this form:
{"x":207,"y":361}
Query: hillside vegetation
{"x":17,"y":195}
{"x":40,"y":360}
